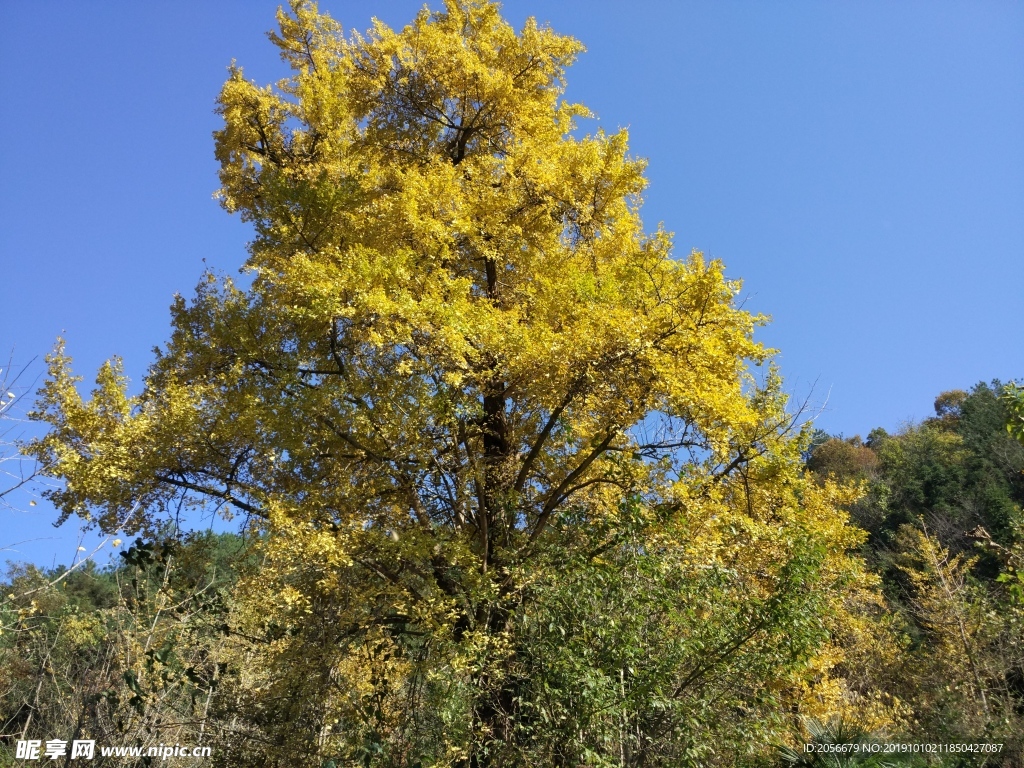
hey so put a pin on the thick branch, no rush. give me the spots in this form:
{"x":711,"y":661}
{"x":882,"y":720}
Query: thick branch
{"x":558,"y":495}
{"x":538,"y":444}
{"x":214,"y":492}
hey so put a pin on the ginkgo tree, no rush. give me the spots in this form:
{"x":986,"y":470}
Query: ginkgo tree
{"x":522,"y":496}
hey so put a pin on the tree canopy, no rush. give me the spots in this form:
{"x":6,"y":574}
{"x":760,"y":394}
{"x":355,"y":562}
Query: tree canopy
{"x":524,"y":483}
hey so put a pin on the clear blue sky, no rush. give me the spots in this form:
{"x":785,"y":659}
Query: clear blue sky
{"x":860,"y":165}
